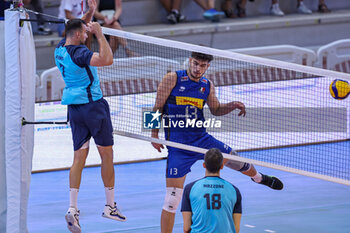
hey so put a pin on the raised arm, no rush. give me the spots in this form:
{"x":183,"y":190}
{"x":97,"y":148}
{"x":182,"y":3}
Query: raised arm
{"x":105,"y":56}
{"x":87,"y":17}
{"x":219,"y":109}
{"x":164,"y":89}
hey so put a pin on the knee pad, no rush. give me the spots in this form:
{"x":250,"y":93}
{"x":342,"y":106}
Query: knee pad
{"x":172,"y":199}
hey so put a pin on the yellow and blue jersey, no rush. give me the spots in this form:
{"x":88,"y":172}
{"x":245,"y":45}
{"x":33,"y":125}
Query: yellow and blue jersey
{"x":212,"y":201}
{"x":185,"y":103}
{"x":81,"y":79}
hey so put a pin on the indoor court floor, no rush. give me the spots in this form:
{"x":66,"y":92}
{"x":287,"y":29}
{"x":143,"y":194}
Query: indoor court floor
{"x":305,"y":205}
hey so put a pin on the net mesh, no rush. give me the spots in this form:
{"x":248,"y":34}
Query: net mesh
{"x":292,"y":122}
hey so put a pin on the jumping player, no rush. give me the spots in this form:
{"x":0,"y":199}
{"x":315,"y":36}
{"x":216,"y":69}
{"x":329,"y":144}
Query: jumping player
{"x":88,"y":111}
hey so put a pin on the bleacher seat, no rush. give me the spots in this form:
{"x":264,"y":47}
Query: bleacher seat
{"x":335,"y":56}
{"x":51,"y":85}
{"x":288,"y":53}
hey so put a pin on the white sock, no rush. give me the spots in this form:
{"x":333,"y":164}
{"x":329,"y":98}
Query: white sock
{"x":109,"y":196}
{"x":257,"y":178}
{"x":73,"y":198}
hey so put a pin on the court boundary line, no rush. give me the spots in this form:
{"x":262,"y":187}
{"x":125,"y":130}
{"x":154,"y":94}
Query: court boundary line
{"x":98,"y":165}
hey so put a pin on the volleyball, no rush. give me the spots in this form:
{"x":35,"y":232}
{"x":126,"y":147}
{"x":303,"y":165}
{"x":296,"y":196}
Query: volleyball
{"x":339,"y":89}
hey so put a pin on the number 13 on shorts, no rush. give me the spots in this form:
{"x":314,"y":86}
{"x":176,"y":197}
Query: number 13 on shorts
{"x":173,"y":171}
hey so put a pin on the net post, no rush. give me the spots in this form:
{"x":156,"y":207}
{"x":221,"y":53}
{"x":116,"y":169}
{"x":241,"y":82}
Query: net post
{"x":3,"y":204}
{"x":19,"y":102}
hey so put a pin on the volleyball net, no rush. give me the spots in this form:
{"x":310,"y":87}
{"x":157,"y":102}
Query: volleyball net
{"x":292,"y":122}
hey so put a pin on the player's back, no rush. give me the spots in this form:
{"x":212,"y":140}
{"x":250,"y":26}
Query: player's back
{"x":213,"y":201}
{"x":81,"y":79}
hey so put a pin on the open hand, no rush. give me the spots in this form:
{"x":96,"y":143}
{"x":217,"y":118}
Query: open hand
{"x":92,"y":5}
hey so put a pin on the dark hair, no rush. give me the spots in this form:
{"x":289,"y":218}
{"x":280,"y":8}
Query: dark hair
{"x":202,"y":56}
{"x":73,"y":25}
{"x":213,"y":160}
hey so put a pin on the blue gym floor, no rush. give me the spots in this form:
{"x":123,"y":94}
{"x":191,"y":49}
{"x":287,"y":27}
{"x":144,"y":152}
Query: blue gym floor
{"x":305,"y":205}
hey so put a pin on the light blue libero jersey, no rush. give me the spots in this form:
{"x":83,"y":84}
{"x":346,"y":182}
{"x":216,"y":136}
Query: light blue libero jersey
{"x":81,"y":79}
{"x":212,"y":201}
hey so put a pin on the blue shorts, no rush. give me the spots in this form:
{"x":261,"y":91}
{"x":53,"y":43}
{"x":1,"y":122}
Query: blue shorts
{"x":91,"y":120}
{"x":180,"y":161}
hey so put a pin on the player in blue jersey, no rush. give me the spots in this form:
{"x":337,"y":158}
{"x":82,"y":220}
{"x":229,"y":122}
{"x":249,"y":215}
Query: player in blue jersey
{"x":181,"y":96}
{"x":211,"y":204}
{"x":88,"y":112}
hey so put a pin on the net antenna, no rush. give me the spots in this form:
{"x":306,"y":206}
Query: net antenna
{"x":292,"y":122}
